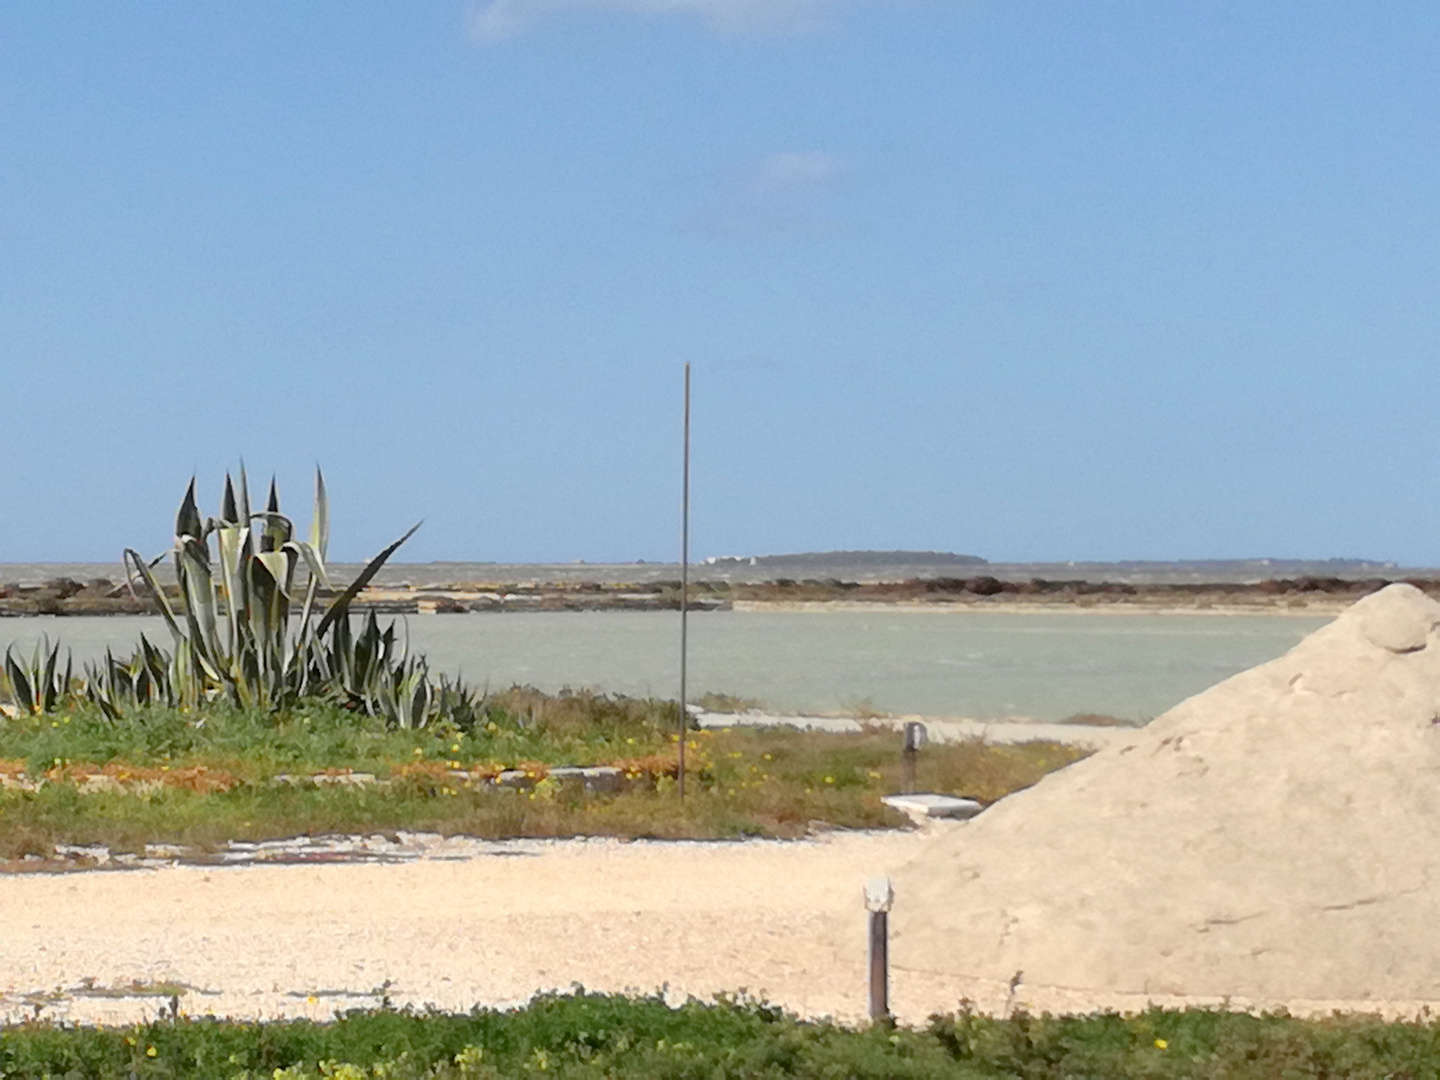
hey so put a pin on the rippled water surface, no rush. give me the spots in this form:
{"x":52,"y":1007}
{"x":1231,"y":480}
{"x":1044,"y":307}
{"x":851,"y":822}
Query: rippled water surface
{"x":936,"y":663}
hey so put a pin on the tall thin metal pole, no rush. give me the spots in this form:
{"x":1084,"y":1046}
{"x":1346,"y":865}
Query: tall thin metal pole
{"x":684,"y":582}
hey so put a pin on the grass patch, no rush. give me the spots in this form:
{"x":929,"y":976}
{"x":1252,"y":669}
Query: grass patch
{"x":583,"y":1035}
{"x":1099,"y":720}
{"x":166,"y":776}
{"x":519,"y":725}
{"x":712,"y":702}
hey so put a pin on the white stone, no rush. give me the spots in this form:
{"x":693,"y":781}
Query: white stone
{"x":927,"y":804}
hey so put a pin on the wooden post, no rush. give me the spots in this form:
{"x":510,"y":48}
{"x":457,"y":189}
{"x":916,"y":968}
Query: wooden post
{"x":879,"y":896}
{"x":684,"y":586}
{"x":879,"y":965}
{"x":916,"y":736}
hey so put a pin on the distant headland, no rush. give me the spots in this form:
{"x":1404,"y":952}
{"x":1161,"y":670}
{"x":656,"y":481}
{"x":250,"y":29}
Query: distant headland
{"x":934,"y":580}
{"x":802,"y":560}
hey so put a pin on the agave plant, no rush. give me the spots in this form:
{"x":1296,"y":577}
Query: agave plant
{"x":246,"y":631}
{"x":37,"y":684}
{"x":234,"y":634}
{"x":116,"y":686}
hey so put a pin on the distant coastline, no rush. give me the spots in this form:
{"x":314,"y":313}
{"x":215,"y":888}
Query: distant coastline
{"x":806,"y":581}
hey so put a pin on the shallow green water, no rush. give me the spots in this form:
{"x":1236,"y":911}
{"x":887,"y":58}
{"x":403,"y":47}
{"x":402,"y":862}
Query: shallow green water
{"x":937,"y":663}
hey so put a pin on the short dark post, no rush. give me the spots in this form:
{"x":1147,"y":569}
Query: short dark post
{"x":879,"y":896}
{"x":915,"y":737}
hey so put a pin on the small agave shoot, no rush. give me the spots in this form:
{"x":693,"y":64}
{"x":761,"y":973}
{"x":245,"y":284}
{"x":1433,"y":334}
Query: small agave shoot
{"x":250,"y":631}
{"x":37,"y":684}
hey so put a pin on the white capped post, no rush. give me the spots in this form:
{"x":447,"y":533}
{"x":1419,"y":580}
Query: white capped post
{"x":879,"y":898}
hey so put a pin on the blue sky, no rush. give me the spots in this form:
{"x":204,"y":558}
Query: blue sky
{"x":1027,"y":280}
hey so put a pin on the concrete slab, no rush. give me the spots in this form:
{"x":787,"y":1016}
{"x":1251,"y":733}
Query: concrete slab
{"x":928,"y":804}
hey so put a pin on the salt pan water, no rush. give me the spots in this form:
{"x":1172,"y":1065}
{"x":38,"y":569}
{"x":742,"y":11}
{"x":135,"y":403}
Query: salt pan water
{"x":937,"y":663}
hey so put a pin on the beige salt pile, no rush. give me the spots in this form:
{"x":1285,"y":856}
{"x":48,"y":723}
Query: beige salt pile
{"x":1275,"y":838}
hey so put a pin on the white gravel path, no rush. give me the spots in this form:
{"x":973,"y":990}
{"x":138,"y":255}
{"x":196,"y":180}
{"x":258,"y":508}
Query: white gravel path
{"x":783,"y":919}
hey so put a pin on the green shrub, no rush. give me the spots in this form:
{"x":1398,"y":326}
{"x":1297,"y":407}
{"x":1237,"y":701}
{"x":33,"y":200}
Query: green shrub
{"x":583,"y":1035}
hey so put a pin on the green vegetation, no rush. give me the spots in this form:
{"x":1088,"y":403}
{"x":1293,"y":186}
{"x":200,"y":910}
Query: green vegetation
{"x":270,"y":716}
{"x":236,"y":637}
{"x":583,"y":1035}
{"x":75,"y":777}
{"x":1099,"y":720}
{"x":714,"y":702}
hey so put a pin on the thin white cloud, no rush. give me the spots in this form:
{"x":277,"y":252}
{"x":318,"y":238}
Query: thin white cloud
{"x":784,"y":193}
{"x":495,"y":20}
{"x":792,"y":170}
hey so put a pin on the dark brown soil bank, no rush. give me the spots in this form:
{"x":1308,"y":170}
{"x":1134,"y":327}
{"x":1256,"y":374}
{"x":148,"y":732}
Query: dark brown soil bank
{"x":64,"y":596}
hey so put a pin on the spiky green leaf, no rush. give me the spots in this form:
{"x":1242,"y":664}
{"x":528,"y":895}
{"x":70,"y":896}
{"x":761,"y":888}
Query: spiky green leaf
{"x":364,"y":578}
{"x":320,"y":521}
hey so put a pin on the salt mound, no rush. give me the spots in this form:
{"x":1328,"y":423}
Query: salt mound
{"x":1275,"y":838}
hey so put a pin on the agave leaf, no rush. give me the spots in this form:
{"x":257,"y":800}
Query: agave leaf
{"x":35,"y":670}
{"x":129,"y":585}
{"x":419,"y":698}
{"x":316,"y":567}
{"x":182,"y":675}
{"x":279,"y":563}
{"x":275,"y":530}
{"x":371,"y":569}
{"x":367,"y":651}
{"x":132,"y":556}
{"x":274,"y":533}
{"x":263,"y":589}
{"x":100,"y":684}
{"x":187,"y":521}
{"x":320,"y":522}
{"x":314,"y":561}
{"x":232,"y":540}
{"x":19,"y":684}
{"x":45,"y":679}
{"x":244,"y":508}
{"x":106,"y":707}
{"x":156,"y":668}
{"x":192,"y":564}
{"x":314,"y":564}
{"x":229,"y":512}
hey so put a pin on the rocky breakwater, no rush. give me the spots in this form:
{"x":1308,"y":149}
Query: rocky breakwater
{"x":65,"y":596}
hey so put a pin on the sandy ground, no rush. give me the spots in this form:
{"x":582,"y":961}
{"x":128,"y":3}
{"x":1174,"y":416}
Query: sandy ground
{"x":1275,"y":835}
{"x":469,"y":923}
{"x":783,"y":920}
